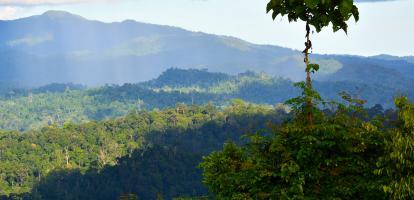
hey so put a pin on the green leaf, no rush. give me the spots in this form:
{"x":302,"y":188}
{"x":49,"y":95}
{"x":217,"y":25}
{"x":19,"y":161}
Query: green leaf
{"x":355,"y":13}
{"x":318,"y":13}
{"x":313,"y":67}
{"x":274,"y":15}
{"x":345,"y":8}
{"x":312,"y":4}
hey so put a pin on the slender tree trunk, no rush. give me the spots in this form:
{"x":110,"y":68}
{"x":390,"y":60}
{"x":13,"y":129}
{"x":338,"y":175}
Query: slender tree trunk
{"x":67,"y":157}
{"x":309,"y":104}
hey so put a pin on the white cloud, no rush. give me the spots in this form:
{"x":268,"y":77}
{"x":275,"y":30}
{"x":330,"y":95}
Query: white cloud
{"x":31,"y":40}
{"x":46,"y":2}
{"x":8,"y":12}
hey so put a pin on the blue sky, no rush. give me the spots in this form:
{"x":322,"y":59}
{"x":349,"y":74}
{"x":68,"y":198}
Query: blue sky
{"x":385,"y":27}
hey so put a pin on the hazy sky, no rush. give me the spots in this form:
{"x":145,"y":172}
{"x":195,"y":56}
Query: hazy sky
{"x":385,"y":27}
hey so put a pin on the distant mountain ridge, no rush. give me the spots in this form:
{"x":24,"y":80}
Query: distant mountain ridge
{"x":409,"y":59}
{"x":174,"y":77}
{"x":61,"y":47}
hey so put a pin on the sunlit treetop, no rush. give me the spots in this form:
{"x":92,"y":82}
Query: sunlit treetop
{"x":318,"y":13}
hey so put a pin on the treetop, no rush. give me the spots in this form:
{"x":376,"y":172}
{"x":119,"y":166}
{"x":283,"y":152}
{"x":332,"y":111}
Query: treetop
{"x":318,"y":13}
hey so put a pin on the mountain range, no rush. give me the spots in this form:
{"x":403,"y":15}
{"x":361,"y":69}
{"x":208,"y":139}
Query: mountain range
{"x":58,"y":47}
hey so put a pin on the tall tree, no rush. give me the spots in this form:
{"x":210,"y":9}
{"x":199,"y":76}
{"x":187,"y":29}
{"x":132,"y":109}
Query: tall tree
{"x":319,"y":14}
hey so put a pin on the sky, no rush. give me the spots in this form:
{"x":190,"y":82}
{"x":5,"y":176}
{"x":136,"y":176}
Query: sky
{"x":385,"y":27}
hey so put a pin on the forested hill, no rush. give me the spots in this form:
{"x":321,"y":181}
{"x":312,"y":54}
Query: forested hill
{"x":151,"y":154}
{"x":175,"y":78}
{"x":23,"y":109}
{"x":131,"y":110}
{"x":44,"y":49}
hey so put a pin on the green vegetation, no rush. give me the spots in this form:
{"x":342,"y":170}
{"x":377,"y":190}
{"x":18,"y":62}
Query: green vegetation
{"x":145,"y":140}
{"x":318,"y":13}
{"x":397,"y":164}
{"x":328,"y":150}
{"x":145,"y":153}
{"x":349,"y":152}
{"x":22,"y":109}
{"x":335,"y":157}
{"x":344,"y":154}
{"x":33,"y":111}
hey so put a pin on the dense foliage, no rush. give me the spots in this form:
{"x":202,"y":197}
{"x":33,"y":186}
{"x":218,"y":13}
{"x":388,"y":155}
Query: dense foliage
{"x":24,"y":109}
{"x":334,"y":158}
{"x":343,"y":155}
{"x":318,"y":13}
{"x":336,"y":153}
{"x":349,"y":152}
{"x":175,"y":77}
{"x":397,"y":164}
{"x":145,"y":153}
{"x":313,"y":149}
